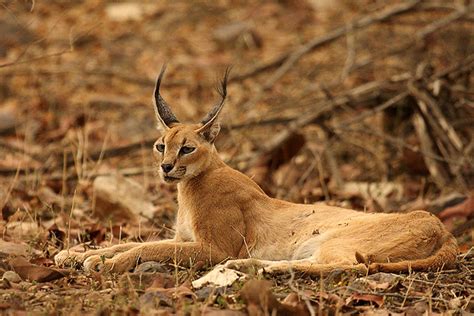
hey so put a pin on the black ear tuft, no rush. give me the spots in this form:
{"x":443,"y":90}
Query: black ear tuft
{"x":222,"y":90}
{"x":163,"y":112}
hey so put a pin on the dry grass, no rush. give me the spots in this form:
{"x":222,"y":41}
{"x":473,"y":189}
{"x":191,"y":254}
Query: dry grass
{"x":75,"y":103}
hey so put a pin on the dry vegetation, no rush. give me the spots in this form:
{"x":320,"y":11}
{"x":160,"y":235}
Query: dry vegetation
{"x":364,"y":104}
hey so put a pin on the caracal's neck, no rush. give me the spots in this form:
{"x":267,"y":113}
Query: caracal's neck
{"x":214,"y":162}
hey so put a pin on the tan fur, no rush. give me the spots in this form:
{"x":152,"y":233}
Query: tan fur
{"x":223,"y":214}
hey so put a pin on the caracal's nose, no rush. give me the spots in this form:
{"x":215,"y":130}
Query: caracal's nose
{"x":167,"y":167}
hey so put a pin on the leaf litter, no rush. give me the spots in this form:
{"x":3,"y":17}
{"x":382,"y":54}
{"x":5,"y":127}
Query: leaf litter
{"x":76,"y":124}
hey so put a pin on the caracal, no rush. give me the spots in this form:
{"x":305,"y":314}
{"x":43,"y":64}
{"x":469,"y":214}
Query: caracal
{"x":223,"y":215}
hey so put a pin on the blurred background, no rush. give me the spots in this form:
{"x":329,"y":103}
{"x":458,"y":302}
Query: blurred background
{"x":363,"y":104}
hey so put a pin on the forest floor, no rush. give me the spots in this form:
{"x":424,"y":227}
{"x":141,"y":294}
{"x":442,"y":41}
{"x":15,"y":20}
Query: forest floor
{"x":366,"y":105}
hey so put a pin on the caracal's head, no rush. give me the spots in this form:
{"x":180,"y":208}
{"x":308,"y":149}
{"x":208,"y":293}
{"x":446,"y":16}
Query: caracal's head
{"x":185,"y":150}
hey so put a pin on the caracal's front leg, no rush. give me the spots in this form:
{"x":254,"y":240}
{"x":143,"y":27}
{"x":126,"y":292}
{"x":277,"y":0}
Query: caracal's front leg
{"x":69,"y":257}
{"x":184,"y":253}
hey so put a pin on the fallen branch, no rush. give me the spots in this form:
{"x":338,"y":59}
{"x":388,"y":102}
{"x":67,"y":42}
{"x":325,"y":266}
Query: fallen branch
{"x":327,"y":38}
{"x":291,"y":58}
{"x":419,"y":35}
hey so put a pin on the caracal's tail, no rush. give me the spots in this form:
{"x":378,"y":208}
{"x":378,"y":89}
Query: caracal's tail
{"x":443,"y":259}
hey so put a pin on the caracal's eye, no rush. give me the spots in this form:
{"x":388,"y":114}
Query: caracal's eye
{"x":186,"y":150}
{"x":160,"y":147}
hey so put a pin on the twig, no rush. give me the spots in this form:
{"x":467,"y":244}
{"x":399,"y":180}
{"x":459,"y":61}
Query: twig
{"x":351,"y":53}
{"x":436,"y":280}
{"x":434,"y":167}
{"x":408,"y":291}
{"x":303,"y":296}
{"x":435,"y":116}
{"x":469,"y":254}
{"x":244,"y":240}
{"x":445,"y":21}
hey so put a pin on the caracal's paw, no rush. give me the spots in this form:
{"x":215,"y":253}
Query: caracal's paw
{"x":273,"y":269}
{"x":120,"y":263}
{"x":278,"y":268}
{"x":246,"y":264}
{"x":68,"y":258}
{"x":93,"y":263}
{"x":236,"y":264}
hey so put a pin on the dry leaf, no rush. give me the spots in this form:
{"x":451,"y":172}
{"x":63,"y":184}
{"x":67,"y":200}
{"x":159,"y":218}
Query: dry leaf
{"x":219,"y":276}
{"x":356,"y":297}
{"x":12,"y":248}
{"x":377,"y":281}
{"x":260,"y":300}
{"x":162,"y":280}
{"x":11,"y":276}
{"x":258,"y":296}
{"x":378,"y":286}
{"x":32,"y":272}
{"x":292,"y":302}
{"x":165,"y":297}
{"x":46,"y":262}
{"x":464,"y":209}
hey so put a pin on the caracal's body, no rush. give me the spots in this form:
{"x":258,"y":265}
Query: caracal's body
{"x":223,"y":215}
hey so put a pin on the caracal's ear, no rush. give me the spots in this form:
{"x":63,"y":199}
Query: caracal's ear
{"x":210,"y":127}
{"x":163,"y":112}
